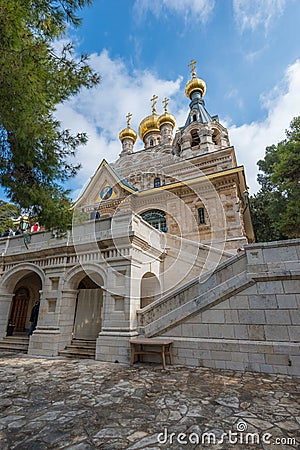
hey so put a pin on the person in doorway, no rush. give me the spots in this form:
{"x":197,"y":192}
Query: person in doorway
{"x":34,"y":317}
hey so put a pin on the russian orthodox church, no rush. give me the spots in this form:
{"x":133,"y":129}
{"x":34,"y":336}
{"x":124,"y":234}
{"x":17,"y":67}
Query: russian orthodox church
{"x":185,"y":181}
{"x":169,"y":212}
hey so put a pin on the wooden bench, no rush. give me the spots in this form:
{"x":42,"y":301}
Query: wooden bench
{"x":137,"y":347}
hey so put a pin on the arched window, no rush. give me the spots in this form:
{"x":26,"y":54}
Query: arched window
{"x":151,"y":143}
{"x":157,"y":182}
{"x":216,"y":137}
{"x":194,"y":118}
{"x":195,"y":138}
{"x":156,"y":218}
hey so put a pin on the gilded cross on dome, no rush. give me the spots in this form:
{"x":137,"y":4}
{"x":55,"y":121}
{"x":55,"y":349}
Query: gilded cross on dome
{"x":192,"y":65}
{"x":165,"y":104}
{"x":128,"y":117}
{"x":154,"y":100}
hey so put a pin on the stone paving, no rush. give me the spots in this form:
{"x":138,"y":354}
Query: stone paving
{"x":83,"y":404}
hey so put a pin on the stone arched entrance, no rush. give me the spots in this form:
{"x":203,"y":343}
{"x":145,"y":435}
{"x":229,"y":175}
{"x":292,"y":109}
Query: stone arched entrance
{"x":150,"y":289}
{"x":25,"y":294}
{"x":88,"y":310}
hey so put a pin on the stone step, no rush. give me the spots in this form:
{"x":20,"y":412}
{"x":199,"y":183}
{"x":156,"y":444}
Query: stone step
{"x":21,"y":339}
{"x":77,"y":353}
{"x":14,"y":346}
{"x":80,"y":349}
{"x":83,"y":343}
{"x":199,"y":294}
{"x":74,"y":349}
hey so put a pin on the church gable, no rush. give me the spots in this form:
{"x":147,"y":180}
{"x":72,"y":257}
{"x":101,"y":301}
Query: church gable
{"x":105,"y":185}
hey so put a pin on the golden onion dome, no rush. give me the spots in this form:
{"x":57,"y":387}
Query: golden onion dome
{"x":149,"y":123}
{"x":128,"y":133}
{"x":166,"y":118}
{"x":195,"y":84}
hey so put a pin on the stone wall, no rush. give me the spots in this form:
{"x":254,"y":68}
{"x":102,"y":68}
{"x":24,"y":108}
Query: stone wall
{"x":249,"y":320}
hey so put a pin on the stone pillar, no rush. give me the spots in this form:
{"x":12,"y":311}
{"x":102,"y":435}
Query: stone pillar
{"x":117,"y":327}
{"x":49,"y":338}
{"x":224,"y":139}
{"x":67,"y":315}
{"x":206,"y":142}
{"x":186,"y":146}
{"x":5,"y":304}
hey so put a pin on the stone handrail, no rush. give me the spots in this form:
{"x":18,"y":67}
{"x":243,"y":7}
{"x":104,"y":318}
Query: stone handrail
{"x":188,"y":291}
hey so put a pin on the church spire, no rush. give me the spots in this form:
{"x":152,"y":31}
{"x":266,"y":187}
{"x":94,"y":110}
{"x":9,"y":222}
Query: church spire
{"x":195,"y":90}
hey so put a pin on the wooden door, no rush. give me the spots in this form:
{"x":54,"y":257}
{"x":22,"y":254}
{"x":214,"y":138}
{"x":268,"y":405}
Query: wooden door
{"x":19,"y":310}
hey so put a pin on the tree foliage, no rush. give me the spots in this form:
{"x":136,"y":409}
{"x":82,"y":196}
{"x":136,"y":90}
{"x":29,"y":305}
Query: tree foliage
{"x":276,"y":207}
{"x":35,"y":152}
{"x":8,"y":212}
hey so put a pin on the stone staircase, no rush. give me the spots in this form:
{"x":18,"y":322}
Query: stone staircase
{"x":79,"y":349}
{"x":18,"y":344}
{"x":199,"y":294}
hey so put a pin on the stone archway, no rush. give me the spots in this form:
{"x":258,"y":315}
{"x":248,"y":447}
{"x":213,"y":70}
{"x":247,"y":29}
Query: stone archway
{"x":150,"y":289}
{"x":88,"y":310}
{"x":25,"y":293}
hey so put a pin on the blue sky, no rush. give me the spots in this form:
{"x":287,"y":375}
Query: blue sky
{"x":247,"y":51}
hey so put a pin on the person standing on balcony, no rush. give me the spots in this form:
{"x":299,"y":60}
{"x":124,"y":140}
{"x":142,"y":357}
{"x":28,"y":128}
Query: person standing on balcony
{"x":35,"y":228}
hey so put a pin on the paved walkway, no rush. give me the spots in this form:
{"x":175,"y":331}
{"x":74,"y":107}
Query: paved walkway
{"x":81,"y":405}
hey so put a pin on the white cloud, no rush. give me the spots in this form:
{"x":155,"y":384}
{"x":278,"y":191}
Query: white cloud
{"x":187,"y":9}
{"x":251,"y":140}
{"x":101,"y":111}
{"x":250,"y":14}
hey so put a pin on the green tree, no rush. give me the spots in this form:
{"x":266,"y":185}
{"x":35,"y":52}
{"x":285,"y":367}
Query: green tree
{"x":34,"y":77}
{"x":8,"y":212}
{"x":276,"y":207}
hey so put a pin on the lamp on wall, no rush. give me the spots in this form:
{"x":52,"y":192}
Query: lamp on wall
{"x":24,"y":223}
{"x":246,"y":195}
{"x":245,"y":200}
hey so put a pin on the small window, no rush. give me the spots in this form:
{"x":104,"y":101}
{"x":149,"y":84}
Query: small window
{"x":157,"y":182}
{"x":201,"y":217}
{"x":151,"y":142}
{"x":194,"y":118}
